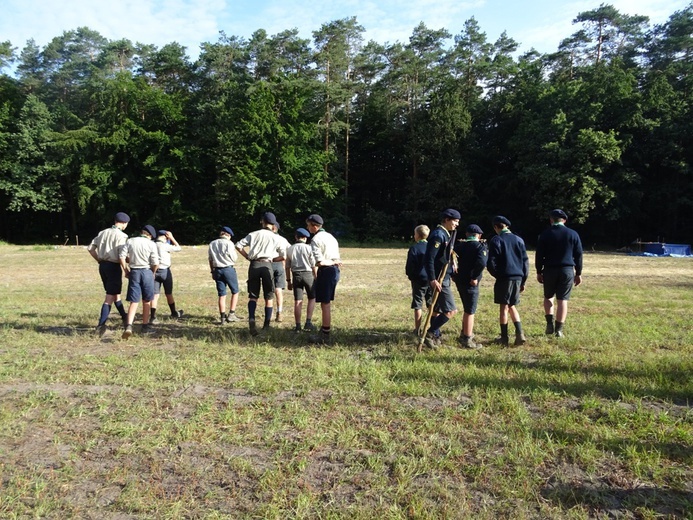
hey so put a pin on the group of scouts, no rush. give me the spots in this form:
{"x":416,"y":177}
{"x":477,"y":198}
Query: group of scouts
{"x":274,"y":264}
{"x":440,"y":257}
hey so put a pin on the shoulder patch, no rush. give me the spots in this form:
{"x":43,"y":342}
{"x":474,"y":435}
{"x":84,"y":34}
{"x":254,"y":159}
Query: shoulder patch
{"x":436,"y":245}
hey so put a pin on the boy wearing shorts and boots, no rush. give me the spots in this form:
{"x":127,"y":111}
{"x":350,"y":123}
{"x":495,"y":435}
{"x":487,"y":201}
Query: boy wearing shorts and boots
{"x":471,"y":257}
{"x":415,"y":269}
{"x":300,"y":275}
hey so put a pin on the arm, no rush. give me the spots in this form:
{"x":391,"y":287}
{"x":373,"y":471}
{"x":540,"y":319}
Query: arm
{"x":92,"y":252}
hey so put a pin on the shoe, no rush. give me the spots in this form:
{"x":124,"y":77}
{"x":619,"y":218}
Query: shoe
{"x":501,"y":340}
{"x":222,"y":319}
{"x":520,"y":339}
{"x":266,"y":326}
{"x":549,"y":329}
{"x":321,"y":338}
{"x":176,"y":315}
{"x":297,"y":328}
{"x":558,"y":333}
{"x":432,"y":341}
{"x":153,"y":321}
{"x":101,"y":329}
{"x":147,"y":329}
{"x":127,"y":332}
{"x":309,"y":327}
{"x":469,"y":343}
{"x":252,"y":327}
{"x":278,"y":318}
{"x":231,"y":317}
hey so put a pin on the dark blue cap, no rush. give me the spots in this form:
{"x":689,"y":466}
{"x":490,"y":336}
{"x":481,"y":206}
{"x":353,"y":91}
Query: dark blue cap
{"x":302,"y":232}
{"x":161,"y":232}
{"x":500,"y":219}
{"x":269,"y":218}
{"x":558,"y":213}
{"x":227,"y":230}
{"x":316,"y":219}
{"x":450,"y":213}
{"x":473,"y":228}
{"x":149,"y":229}
{"x":121,"y":217}
{"x":277,"y":225}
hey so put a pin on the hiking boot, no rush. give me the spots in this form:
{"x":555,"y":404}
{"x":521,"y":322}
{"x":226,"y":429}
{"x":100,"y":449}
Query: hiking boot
{"x":101,"y":329}
{"x":278,"y":318}
{"x":432,"y":341}
{"x":127,"y":332}
{"x":223,"y":318}
{"x":501,"y":340}
{"x":520,"y":339}
{"x":309,"y":327}
{"x":549,"y":328}
{"x":252,"y":327}
{"x":147,"y":328}
{"x":176,"y":315}
{"x":297,"y":328}
{"x":231,"y":317}
{"x":153,"y":321}
{"x":558,"y":333}
{"x":468,"y":342}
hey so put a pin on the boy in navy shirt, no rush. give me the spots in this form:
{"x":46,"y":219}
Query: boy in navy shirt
{"x":415,"y":270}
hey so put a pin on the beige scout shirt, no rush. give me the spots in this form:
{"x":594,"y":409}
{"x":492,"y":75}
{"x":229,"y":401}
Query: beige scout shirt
{"x":222,"y":253}
{"x":299,"y":257}
{"x":325,"y":249}
{"x":262,"y":244}
{"x":108,"y":244}
{"x":165,"y":249}
{"x":142,"y":253}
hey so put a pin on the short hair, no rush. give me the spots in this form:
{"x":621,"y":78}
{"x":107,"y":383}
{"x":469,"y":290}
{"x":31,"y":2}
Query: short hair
{"x":421,"y":231}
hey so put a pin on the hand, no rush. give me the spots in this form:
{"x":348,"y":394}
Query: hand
{"x":540,"y":277}
{"x":522,"y":288}
{"x":474,"y":282}
{"x":578,"y":280}
{"x":435,"y":285}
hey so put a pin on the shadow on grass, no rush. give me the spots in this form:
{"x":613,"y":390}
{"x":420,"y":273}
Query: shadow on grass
{"x":600,"y":497}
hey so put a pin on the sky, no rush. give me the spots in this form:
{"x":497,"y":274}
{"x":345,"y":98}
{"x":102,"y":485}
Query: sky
{"x":538,"y":24}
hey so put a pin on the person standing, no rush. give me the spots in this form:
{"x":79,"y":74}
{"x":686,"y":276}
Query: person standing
{"x":280,"y":279}
{"x":300,"y":275}
{"x":222,"y":258}
{"x":437,"y":261}
{"x":263,"y":249}
{"x":508,"y":263}
{"x":105,"y":249}
{"x":415,"y":270}
{"x":139,"y":258}
{"x":472,"y":255}
{"x":559,"y":267}
{"x":166,"y":244}
{"x":325,"y":249}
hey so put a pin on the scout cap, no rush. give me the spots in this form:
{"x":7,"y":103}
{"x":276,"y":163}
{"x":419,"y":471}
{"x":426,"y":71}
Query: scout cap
{"x":227,"y":230}
{"x":161,"y":232}
{"x":316,"y":219}
{"x":149,"y":229}
{"x":500,"y":219}
{"x":121,"y":217}
{"x":302,"y":232}
{"x":473,"y":228}
{"x":450,"y":213}
{"x":269,"y":218}
{"x":558,"y":213}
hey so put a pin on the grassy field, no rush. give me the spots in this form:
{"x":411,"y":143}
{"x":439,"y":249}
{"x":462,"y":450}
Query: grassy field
{"x":200,"y":421}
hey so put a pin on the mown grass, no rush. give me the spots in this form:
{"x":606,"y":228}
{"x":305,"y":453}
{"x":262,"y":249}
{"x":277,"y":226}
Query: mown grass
{"x":202,"y":421}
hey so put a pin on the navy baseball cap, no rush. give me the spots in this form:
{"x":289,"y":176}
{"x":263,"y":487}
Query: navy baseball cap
{"x":558,"y":213}
{"x":227,"y":230}
{"x":161,"y":232}
{"x":149,"y":229}
{"x":315,"y":218}
{"x":302,"y":232}
{"x":500,"y":219}
{"x":269,"y":218}
{"x":450,"y":213}
{"x":473,"y":228}
{"x":121,"y":217}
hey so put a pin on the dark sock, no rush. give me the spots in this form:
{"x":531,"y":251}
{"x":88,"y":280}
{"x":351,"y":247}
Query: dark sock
{"x":325,"y":330}
{"x":172,"y":306}
{"x":518,"y":327}
{"x":152,"y":314}
{"x":559,"y":326}
{"x":268,"y":315}
{"x":105,"y":311}
{"x":251,"y":310}
{"x":121,"y":309}
{"x":439,"y":321}
{"x":504,"y":330}
{"x":549,"y":319}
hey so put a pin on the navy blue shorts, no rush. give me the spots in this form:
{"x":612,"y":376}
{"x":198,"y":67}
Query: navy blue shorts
{"x":260,"y":274}
{"x":469,"y":294}
{"x":303,"y":280}
{"x":506,"y":291}
{"x":141,"y":285}
{"x":111,"y":277}
{"x":225,"y":276}
{"x":558,"y":282}
{"x":163,"y":277}
{"x":420,"y":295}
{"x":279,"y":275}
{"x":326,"y":283}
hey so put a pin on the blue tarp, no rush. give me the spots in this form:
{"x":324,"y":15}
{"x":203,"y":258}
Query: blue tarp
{"x":662,"y":249}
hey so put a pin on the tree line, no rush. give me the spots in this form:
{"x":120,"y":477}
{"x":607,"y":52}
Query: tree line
{"x":375,"y":137}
